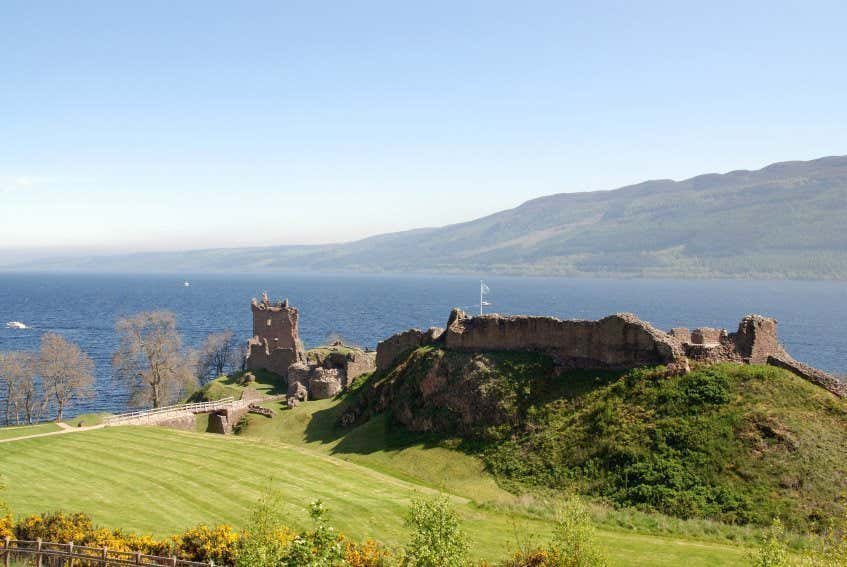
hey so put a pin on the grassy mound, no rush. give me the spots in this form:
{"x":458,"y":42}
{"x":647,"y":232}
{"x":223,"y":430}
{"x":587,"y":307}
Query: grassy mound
{"x":739,"y":444}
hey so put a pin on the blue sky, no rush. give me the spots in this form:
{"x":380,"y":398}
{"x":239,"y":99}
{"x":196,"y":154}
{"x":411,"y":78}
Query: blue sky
{"x":170,"y":125}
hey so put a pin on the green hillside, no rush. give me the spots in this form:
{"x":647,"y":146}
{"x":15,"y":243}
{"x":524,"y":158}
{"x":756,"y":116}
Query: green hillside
{"x":782,"y":221}
{"x":737,"y":444}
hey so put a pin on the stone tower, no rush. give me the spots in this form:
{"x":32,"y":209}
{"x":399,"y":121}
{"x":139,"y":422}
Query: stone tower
{"x":276,"y":339}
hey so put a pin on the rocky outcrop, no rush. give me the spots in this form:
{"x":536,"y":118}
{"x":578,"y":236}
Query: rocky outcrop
{"x":388,"y":350}
{"x":616,"y":342}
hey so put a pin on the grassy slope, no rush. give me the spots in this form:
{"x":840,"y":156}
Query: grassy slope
{"x":736,"y":443}
{"x":159,"y":481}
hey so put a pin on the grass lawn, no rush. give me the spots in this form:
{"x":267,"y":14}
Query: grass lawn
{"x":265,"y":382}
{"x":159,"y":481}
{"x":88,"y":419}
{"x":13,"y":431}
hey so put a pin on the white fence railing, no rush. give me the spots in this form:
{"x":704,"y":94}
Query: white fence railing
{"x":157,"y":414}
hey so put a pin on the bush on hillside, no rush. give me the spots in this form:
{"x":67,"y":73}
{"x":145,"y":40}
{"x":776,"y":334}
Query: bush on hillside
{"x":437,"y":539}
{"x":265,"y":539}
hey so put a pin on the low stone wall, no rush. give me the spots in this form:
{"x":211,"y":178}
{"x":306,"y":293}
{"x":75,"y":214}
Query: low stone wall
{"x":186,"y":422}
{"x":813,"y":375}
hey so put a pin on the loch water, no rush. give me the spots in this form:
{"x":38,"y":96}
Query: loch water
{"x":363,"y":309}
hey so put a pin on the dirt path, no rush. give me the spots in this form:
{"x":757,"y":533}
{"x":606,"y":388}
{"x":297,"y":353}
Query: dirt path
{"x":64,"y":428}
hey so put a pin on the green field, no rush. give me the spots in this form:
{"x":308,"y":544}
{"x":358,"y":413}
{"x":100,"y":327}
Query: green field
{"x":160,"y":481}
{"x":13,"y":431}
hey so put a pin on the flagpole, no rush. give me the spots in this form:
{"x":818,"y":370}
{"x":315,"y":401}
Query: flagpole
{"x":480,"y":297}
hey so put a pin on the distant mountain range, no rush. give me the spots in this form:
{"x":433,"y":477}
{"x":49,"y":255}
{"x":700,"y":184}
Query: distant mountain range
{"x":787,"y":220}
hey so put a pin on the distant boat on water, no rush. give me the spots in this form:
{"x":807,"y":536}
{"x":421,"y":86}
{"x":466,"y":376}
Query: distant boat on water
{"x":15,"y":325}
{"x":187,"y":284}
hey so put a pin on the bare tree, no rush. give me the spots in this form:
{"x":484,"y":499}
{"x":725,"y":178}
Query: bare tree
{"x":150,"y":356}
{"x":17,"y":371}
{"x":217,"y":355}
{"x":67,"y":373}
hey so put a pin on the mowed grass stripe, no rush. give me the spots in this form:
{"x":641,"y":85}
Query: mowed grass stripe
{"x":315,"y":468}
{"x":80,"y":481}
{"x":182,"y":485}
{"x":169,"y":477}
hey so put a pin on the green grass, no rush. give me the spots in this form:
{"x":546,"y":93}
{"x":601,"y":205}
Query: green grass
{"x":230,"y":386}
{"x":159,"y":481}
{"x":88,"y":419}
{"x":12,"y":431}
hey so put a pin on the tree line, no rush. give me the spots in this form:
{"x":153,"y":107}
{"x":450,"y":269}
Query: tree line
{"x":150,"y":360}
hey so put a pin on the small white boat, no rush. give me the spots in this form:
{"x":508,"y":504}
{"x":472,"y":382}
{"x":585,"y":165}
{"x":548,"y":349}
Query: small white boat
{"x":15,"y":325}
{"x":187,"y":284}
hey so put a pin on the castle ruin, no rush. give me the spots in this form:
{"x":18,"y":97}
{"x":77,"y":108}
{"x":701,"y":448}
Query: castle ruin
{"x":276,"y":341}
{"x":276,"y":347}
{"x":620,"y":341}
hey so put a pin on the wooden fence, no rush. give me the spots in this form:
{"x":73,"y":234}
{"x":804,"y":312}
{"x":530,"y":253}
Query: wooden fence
{"x":49,"y":554}
{"x":157,"y":414}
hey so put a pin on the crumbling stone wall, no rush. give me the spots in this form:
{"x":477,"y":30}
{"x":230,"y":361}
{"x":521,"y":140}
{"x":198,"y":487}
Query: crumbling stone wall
{"x":618,"y":341}
{"x":324,"y":375}
{"x":392,"y":347}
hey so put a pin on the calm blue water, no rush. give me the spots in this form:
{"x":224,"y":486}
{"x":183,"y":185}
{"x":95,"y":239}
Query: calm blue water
{"x":364,"y":309}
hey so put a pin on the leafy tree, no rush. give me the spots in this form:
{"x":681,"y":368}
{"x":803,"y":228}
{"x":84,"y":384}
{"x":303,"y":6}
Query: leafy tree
{"x":150,"y":356}
{"x":67,"y":373}
{"x":437,"y":539}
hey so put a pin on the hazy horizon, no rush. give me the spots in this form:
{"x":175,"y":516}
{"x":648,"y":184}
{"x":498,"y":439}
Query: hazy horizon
{"x":162,"y":127}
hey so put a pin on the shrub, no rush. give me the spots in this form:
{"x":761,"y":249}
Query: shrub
{"x":532,"y":558}
{"x":265,"y":539}
{"x":6,"y":527}
{"x":316,"y":548}
{"x":574,"y":543}
{"x":772,"y":552}
{"x":833,"y":548}
{"x":367,"y":554}
{"x":55,"y":526}
{"x":437,"y":539}
{"x":202,"y":543}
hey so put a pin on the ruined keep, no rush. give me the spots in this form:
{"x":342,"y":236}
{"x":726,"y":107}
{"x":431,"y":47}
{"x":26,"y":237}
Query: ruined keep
{"x":276,"y":341}
{"x":620,"y":341}
{"x":276,"y":347}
